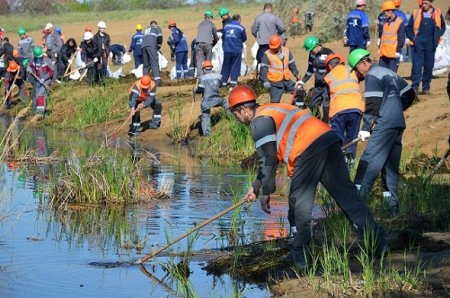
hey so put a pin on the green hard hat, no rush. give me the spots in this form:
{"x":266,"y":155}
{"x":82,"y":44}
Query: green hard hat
{"x":21,"y":31}
{"x":310,"y":43}
{"x":356,"y":55}
{"x":209,"y":13}
{"x":223,"y":11}
{"x":25,"y":62}
{"x":38,"y":52}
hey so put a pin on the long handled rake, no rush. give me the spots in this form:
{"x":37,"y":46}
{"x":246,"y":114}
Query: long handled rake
{"x":186,"y":134}
{"x":11,"y":88}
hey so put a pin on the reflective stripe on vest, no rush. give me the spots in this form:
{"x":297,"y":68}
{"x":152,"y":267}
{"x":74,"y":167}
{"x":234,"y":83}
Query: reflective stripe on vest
{"x":344,"y":90}
{"x":296,"y":130}
{"x":137,"y":89}
{"x":389,"y":38}
{"x":417,"y":15}
{"x":278,"y":70}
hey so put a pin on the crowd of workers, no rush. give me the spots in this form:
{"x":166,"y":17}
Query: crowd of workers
{"x":309,"y":143}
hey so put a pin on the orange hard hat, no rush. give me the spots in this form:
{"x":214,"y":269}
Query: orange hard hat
{"x":274,"y":42}
{"x":420,"y":3}
{"x":12,"y":66}
{"x":240,"y":95}
{"x":16,"y":54}
{"x":388,"y":5}
{"x":397,"y":3}
{"x":207,"y":64}
{"x":146,"y":81}
{"x":87,"y":29}
{"x":332,"y":57}
{"x":171,"y":23}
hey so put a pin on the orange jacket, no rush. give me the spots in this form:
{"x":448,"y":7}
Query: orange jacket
{"x":344,"y":90}
{"x":389,"y":38}
{"x":417,"y":16}
{"x":296,"y":130}
{"x":278,"y":70}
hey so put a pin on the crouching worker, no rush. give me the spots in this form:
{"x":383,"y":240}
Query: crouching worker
{"x":311,"y":150}
{"x":14,"y":76}
{"x":209,"y":84}
{"x":41,"y":75}
{"x":142,"y":95}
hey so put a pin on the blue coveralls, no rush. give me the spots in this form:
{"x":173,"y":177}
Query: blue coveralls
{"x":357,"y":29}
{"x":181,"y":52}
{"x":234,"y":37}
{"x":424,"y":49}
{"x":135,"y":46}
{"x":384,"y":112}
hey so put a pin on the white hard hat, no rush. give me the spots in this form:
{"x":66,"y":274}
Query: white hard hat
{"x":360,"y":2}
{"x":48,"y":26}
{"x":101,"y":24}
{"x":87,"y":35}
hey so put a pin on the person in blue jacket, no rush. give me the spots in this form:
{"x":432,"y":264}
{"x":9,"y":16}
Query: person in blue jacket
{"x":135,"y":46}
{"x":234,"y":37}
{"x":181,"y":49}
{"x":358,"y":27}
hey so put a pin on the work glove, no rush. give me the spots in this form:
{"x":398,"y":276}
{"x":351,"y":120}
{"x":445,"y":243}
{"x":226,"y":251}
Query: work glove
{"x":266,"y":84}
{"x":299,"y":84}
{"x":363,"y":135}
{"x":368,"y":44}
{"x":264,"y":202}
{"x":397,"y":55}
{"x":95,"y":60}
{"x":83,"y":64}
{"x":70,"y":61}
{"x":378,"y":42}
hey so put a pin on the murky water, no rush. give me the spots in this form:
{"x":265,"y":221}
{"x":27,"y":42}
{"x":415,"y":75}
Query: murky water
{"x":49,"y":253}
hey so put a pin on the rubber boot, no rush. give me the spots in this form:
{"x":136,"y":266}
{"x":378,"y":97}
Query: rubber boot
{"x":155,"y":123}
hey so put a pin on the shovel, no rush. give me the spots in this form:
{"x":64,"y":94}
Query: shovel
{"x":440,"y":163}
{"x":351,"y":143}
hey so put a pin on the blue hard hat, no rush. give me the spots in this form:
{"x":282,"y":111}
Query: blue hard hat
{"x":58,"y":29}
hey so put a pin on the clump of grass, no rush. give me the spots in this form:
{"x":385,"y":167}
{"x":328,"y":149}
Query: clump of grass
{"x":176,"y":117}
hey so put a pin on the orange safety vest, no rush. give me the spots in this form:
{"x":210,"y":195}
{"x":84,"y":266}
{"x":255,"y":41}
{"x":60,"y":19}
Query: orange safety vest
{"x":417,"y":15}
{"x":389,"y":38}
{"x":295,"y":19}
{"x":278,"y":70}
{"x":143,"y":95}
{"x":296,"y":130}
{"x":344,"y":90}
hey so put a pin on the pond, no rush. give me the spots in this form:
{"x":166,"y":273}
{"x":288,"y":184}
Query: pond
{"x":89,"y":251}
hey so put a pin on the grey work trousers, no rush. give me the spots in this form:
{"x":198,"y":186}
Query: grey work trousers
{"x":203,"y":51}
{"x":206,"y":112}
{"x":382,"y":154}
{"x":150,"y":60}
{"x":327,"y":167}
{"x":278,"y":88}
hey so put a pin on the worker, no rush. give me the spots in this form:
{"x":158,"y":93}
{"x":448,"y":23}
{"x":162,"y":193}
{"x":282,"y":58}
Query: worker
{"x":117,"y":51}
{"x":312,"y":152}
{"x":180,"y":49}
{"x":346,"y":103}
{"x":400,"y":13}
{"x":316,"y":65}
{"x":309,"y":20}
{"x":59,"y":31}
{"x":14,"y":74}
{"x":277,"y":67}
{"x":90,"y":55}
{"x":264,"y":27}
{"x":224,"y":15}
{"x":26,"y":44}
{"x":234,"y":37}
{"x":53,"y":43}
{"x":357,"y":31}
{"x":206,"y":39}
{"x":425,"y":28}
{"x":296,"y":27}
{"x":103,"y":42}
{"x":151,"y":43}
{"x":7,"y":50}
{"x":41,"y":76}
{"x":136,"y":46}
{"x":383,"y":125}
{"x":142,"y":94}
{"x":392,"y":38}
{"x":208,"y":85}
{"x":66,"y":56}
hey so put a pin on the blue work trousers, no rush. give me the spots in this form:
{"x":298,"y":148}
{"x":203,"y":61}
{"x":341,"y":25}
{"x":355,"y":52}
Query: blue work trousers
{"x":391,"y":63}
{"x":422,"y":66}
{"x":231,"y":67}
{"x":181,"y":64}
{"x":346,"y":126}
{"x":137,"y":60}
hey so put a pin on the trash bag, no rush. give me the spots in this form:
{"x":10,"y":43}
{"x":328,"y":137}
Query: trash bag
{"x":162,"y":61}
{"x":116,"y":74}
{"x":126,"y":58}
{"x":173,"y":70}
{"x":138,"y":72}
{"x":442,"y":55}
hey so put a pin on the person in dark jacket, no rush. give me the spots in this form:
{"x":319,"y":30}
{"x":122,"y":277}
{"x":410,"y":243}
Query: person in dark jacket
{"x":66,"y":56}
{"x":117,"y":51}
{"x":7,"y":50}
{"x":103,"y":42}
{"x":180,"y":49}
{"x":90,"y":55}
{"x":424,"y":31}
{"x":151,"y":43}
{"x":234,"y":37}
{"x":224,"y":14}
{"x":136,"y":46}
{"x":357,"y":31}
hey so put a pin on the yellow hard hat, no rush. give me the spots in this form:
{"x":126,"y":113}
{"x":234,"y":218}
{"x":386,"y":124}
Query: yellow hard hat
{"x":139,"y":27}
